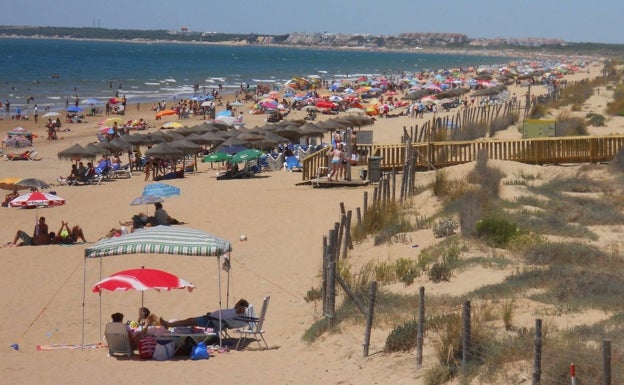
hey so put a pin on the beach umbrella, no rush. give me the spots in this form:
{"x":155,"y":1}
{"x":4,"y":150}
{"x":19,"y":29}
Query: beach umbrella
{"x":109,"y":122}
{"x":145,"y":200}
{"x":164,"y":150}
{"x":226,"y":120}
{"x":142,"y":279}
{"x":355,"y":110}
{"x":10,"y":183}
{"x":74,"y":109}
{"x":76,"y":152}
{"x":51,"y":114}
{"x":172,"y":125}
{"x":245,"y":155}
{"x":160,"y":190}
{"x":217,"y":157}
{"x":162,"y":113}
{"x":233,"y":141}
{"x":198,"y":139}
{"x":233,"y":149}
{"x":33,"y":183}
{"x":90,"y":101}
{"x":37,"y":199}
{"x":237,"y":103}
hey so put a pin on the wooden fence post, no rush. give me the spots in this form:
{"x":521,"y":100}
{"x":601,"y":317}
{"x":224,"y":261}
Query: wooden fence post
{"x":331,"y":279}
{"x":365,"y":205}
{"x":369,"y":318}
{"x":466,"y":335}
{"x":324,"y":274}
{"x":606,"y":362}
{"x":421,"y":327}
{"x":537,"y":359}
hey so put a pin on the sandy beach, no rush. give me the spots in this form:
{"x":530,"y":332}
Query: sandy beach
{"x":284,"y":225}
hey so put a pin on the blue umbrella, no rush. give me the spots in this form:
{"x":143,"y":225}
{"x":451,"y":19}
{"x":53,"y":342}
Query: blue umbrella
{"x":74,"y":109}
{"x":224,"y":113}
{"x":146,"y":200}
{"x":160,"y":190}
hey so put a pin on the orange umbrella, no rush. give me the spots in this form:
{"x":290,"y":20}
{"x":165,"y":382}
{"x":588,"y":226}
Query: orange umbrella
{"x":162,"y":113}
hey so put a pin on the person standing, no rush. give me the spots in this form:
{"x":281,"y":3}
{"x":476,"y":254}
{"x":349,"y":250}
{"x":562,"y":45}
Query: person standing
{"x":36,"y":112}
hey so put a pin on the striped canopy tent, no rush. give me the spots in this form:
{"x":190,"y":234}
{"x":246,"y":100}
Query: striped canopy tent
{"x":173,"y":240}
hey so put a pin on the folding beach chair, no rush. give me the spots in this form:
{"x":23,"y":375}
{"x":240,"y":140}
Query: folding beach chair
{"x":255,"y":328}
{"x":117,"y":339}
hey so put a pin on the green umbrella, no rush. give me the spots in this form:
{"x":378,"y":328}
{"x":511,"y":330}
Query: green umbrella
{"x":246,"y":155}
{"x":217,"y":157}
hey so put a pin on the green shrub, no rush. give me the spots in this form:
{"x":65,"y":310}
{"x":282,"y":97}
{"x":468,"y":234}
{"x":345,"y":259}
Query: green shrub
{"x":402,"y":338}
{"x":568,"y":125}
{"x":496,"y":231}
{"x":538,"y":111}
{"x":443,"y":268}
{"x":445,"y":227}
{"x":406,"y":270}
{"x":595,"y":120}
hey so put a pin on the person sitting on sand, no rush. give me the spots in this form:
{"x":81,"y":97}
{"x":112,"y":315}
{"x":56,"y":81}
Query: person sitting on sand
{"x":40,"y":235}
{"x":146,"y":319}
{"x":9,"y":197}
{"x":66,"y":236}
{"x":230,"y":318}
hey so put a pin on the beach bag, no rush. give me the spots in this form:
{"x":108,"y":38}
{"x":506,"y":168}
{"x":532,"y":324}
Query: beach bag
{"x":147,"y":347}
{"x":200,"y":352}
{"x":164,"y":350}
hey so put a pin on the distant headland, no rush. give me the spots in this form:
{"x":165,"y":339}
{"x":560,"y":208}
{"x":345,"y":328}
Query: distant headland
{"x":409,"y":41}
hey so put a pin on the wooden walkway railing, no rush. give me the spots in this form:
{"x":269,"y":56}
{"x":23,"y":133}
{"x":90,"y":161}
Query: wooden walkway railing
{"x":583,"y":149}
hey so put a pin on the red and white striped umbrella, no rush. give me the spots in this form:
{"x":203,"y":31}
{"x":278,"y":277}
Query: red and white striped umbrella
{"x":142,"y":279}
{"x":37,"y":199}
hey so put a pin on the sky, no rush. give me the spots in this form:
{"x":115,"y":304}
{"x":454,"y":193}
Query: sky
{"x":569,"y":20}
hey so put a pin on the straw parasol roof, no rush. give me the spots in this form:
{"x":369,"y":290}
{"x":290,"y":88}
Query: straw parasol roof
{"x":76,"y":152}
{"x":164,"y":150}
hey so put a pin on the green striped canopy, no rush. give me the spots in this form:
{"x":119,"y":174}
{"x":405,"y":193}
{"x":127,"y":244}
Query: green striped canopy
{"x":161,"y":240}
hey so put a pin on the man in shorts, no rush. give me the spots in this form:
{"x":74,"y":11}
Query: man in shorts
{"x":40,"y":235}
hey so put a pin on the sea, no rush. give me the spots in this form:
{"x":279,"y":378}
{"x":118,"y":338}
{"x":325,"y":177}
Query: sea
{"x":53,"y":73}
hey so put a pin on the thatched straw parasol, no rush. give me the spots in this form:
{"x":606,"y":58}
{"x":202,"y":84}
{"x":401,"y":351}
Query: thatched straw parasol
{"x":76,"y":153}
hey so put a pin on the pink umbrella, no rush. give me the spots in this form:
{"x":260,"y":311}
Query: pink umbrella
{"x":142,"y":279}
{"x":36,"y":199}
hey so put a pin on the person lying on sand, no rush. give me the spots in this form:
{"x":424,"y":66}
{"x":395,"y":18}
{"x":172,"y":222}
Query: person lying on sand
{"x":229,"y":318}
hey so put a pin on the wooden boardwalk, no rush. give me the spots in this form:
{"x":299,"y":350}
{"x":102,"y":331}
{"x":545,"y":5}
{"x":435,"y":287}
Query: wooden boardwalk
{"x":434,"y":155}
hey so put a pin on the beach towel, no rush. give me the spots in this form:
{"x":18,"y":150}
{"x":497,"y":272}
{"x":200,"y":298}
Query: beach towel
{"x":70,"y":346}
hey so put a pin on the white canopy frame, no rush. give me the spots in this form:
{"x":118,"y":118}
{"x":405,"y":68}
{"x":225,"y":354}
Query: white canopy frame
{"x":160,"y":240}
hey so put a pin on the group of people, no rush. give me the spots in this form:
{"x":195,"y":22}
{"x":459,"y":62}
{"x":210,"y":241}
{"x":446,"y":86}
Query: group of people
{"x":42,"y":236}
{"x":216,"y":320}
{"x":160,"y":218}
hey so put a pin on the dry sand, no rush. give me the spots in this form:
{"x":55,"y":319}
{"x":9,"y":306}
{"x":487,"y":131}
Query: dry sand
{"x":42,"y":286}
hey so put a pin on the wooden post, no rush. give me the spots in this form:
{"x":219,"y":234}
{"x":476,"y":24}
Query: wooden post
{"x":358,"y":215}
{"x":369,"y":319}
{"x":349,"y":242}
{"x":375,"y":197}
{"x":421,"y":327}
{"x":393,"y":185}
{"x":537,"y":359}
{"x":365,"y":205}
{"x":324,"y":274}
{"x":331,"y":280}
{"x":606,"y":362}
{"x":466,"y":336}
{"x":338,"y":230}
